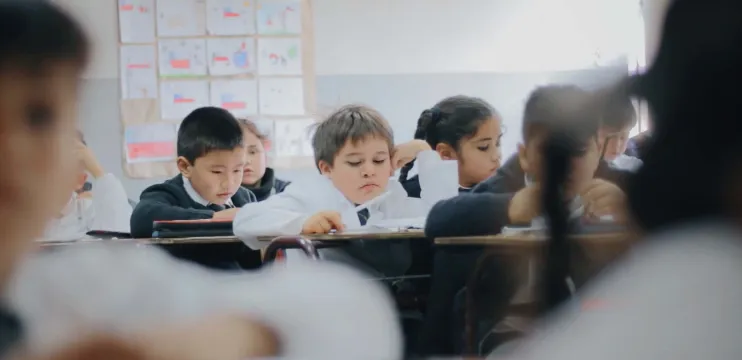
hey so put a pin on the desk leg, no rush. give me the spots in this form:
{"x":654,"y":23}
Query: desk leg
{"x":290,"y":242}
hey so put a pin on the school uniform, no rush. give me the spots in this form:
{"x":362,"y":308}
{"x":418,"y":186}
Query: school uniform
{"x":269,"y":185}
{"x":626,"y":162}
{"x":108,"y":209}
{"x":11,"y":331}
{"x":482,"y":212}
{"x":317,"y":310}
{"x":637,"y":145}
{"x":286,"y":213}
{"x":176,"y":199}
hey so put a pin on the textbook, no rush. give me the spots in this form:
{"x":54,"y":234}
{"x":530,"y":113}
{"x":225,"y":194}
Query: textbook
{"x":192,"y":228}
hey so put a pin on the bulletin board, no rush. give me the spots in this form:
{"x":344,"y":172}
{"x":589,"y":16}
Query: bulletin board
{"x":253,"y":58}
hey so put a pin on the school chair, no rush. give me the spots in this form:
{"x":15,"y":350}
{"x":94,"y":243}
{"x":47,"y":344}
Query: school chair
{"x":290,"y":242}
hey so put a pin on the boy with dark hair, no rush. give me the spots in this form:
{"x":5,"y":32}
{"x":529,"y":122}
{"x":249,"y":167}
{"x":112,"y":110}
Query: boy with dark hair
{"x":355,"y":154}
{"x":211,"y":159}
{"x":617,"y":120}
{"x":513,"y":196}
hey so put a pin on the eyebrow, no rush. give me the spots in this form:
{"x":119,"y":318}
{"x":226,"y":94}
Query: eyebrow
{"x":361,"y":154}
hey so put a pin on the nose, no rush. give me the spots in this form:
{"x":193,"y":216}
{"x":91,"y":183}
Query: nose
{"x":368,"y":170}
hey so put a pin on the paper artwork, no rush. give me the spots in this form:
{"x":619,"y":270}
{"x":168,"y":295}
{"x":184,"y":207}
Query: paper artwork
{"x":150,"y":142}
{"x":230,"y":17}
{"x":279,"y":18}
{"x":137,"y":21}
{"x":279,"y":56}
{"x":294,"y":137}
{"x":138,"y":72}
{"x":179,"y":98}
{"x":281,"y":96}
{"x":182,"y":57}
{"x":181,"y":17}
{"x":240,"y":97}
{"x":231,"y":56}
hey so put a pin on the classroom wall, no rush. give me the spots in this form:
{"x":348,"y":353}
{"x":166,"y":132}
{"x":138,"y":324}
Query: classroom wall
{"x":402,"y":56}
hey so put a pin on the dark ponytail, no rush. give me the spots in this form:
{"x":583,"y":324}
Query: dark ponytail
{"x":450,"y":120}
{"x":558,"y":150}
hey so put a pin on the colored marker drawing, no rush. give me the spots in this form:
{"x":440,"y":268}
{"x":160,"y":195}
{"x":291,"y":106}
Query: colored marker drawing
{"x":182,"y":57}
{"x":230,"y":17}
{"x":279,"y":56}
{"x":231,"y":56}
{"x":279,"y":18}
{"x":238,"y":96}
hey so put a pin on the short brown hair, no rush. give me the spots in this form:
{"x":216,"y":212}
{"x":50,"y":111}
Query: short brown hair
{"x":349,"y":123}
{"x":248,"y":125}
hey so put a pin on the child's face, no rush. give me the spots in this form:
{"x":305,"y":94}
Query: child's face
{"x":360,"y":171}
{"x":37,"y":138}
{"x":479,"y":156}
{"x":255,"y":161}
{"x":217,"y":175}
{"x":617,"y":140}
{"x":583,"y":167}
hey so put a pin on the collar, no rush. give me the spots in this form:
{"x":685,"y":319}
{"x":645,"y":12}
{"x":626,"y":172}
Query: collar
{"x":195,"y":196}
{"x":266,"y":185}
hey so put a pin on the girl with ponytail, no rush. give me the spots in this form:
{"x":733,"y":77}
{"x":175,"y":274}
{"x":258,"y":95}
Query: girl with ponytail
{"x":461,"y":128}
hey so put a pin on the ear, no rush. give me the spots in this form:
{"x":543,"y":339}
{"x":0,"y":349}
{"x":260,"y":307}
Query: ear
{"x":324,"y":167}
{"x":522,"y":158}
{"x":184,"y":166}
{"x":446,"y":151}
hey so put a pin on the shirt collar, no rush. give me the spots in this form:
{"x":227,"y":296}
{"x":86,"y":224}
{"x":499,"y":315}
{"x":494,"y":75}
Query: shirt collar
{"x":195,"y":196}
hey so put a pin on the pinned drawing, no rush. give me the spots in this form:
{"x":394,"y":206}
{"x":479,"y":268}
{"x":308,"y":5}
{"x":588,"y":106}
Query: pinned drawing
{"x":279,"y":18}
{"x":179,"y":98}
{"x":137,"y":21}
{"x":231,"y":56}
{"x":230,"y":17}
{"x":294,"y":137}
{"x":279,"y":56}
{"x":238,"y":96}
{"x":182,"y":57}
{"x":138,"y":72}
{"x":281,"y":96}
{"x":181,"y":17}
{"x":150,"y":142}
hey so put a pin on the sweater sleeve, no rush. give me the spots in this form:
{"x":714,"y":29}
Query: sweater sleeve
{"x":157,"y":203}
{"x":468,"y":215}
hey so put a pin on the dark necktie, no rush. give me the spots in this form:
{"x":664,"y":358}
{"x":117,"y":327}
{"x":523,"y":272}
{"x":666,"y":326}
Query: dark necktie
{"x":363,"y":216}
{"x":216,"y":207}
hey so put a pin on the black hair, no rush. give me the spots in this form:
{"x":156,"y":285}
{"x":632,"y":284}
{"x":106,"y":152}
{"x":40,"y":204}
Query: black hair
{"x":449,"y":121}
{"x":208,"y":129}
{"x":561,"y":108}
{"x":692,"y":92}
{"x":37,"y":33}
{"x":617,"y":109}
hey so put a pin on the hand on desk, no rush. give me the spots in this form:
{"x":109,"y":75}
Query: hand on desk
{"x":228,"y":214}
{"x":602,"y":198}
{"x":322,"y":222}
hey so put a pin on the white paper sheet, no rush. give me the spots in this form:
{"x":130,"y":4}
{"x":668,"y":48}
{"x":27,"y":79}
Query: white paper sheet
{"x":240,"y":97}
{"x":138,"y":72}
{"x":294,"y":137}
{"x":137,"y":21}
{"x":179,"y":98}
{"x":182,"y":57}
{"x":281,"y":96}
{"x":279,"y":18}
{"x":181,"y":17}
{"x":150,"y":142}
{"x":231,"y":56}
{"x":279,"y":56}
{"x":230,"y":17}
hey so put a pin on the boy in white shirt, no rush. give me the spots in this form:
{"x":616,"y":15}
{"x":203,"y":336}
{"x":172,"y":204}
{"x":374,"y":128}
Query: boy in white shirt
{"x":618,"y":118}
{"x":105,"y":208}
{"x":355,"y":154}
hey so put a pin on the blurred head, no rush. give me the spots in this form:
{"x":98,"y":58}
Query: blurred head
{"x":43,"y":53}
{"x":617,"y":120}
{"x":692,"y":92}
{"x":565,"y":109}
{"x":211,"y":153}
{"x":255,"y":160}
{"x":465,"y":129}
{"x":353,"y":148}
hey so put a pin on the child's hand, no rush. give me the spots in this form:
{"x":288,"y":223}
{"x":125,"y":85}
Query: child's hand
{"x":323,"y":222}
{"x":404,"y":153}
{"x":603,"y":198}
{"x":227,"y":214}
{"x":525,"y":205}
{"x":88,"y":160}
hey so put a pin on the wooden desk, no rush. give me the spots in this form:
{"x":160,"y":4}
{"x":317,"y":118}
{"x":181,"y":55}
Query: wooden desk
{"x":144,"y":241}
{"x":533,"y":240}
{"x":388,"y":235}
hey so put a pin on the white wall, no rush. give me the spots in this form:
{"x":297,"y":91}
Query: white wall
{"x":429,"y":36}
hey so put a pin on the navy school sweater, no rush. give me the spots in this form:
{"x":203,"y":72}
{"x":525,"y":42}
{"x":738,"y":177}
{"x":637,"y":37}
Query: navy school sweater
{"x":170,"y":201}
{"x":269,"y":185}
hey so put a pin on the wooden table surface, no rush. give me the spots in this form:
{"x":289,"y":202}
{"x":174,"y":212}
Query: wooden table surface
{"x":531,"y":239}
{"x":383,"y":235}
